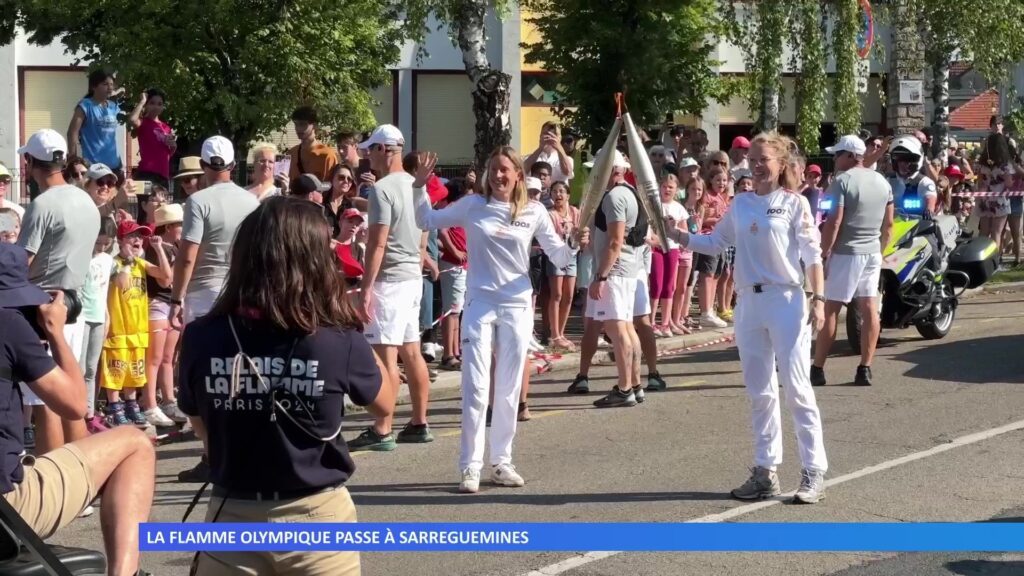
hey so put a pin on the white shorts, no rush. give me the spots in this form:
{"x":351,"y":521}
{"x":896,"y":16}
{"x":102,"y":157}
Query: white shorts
{"x":849,"y":276}
{"x":198,"y":303}
{"x":617,"y":303}
{"x":74,"y":334}
{"x":642,"y":298}
{"x":396,"y":313}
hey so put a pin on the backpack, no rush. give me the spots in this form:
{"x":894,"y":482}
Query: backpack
{"x":636,"y":236}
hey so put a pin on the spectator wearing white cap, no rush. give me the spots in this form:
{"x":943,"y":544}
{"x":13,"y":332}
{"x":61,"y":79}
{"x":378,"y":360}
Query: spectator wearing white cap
{"x":392,"y":288}
{"x":101,"y":184}
{"x":212,"y":215}
{"x":687,"y":170}
{"x":855,"y":233}
{"x":5,"y":186}
{"x":59,"y":230}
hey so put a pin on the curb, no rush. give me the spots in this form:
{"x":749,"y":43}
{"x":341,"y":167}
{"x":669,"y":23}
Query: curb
{"x":449,"y":385}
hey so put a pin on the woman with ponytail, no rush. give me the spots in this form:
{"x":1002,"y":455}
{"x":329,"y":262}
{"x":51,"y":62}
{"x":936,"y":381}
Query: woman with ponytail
{"x":773,"y":231}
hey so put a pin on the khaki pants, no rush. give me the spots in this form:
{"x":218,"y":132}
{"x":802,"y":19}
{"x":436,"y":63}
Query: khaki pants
{"x":331,"y":505}
{"x":55,"y":490}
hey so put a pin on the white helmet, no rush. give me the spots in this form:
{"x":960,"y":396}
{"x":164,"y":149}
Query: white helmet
{"x":908,"y":147}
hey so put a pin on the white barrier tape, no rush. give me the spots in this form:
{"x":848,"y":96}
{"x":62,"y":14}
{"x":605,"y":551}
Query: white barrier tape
{"x":1013,"y":193}
{"x":443,"y":316}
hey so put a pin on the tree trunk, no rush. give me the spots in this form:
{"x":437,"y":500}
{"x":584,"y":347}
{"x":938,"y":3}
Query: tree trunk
{"x":491,"y":88}
{"x":940,"y":98}
{"x":769,"y":121}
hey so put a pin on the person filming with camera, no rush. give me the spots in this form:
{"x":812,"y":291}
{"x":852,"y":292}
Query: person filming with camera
{"x":49,"y":491}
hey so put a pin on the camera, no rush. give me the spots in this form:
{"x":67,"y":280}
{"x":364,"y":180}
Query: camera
{"x":71,"y":301}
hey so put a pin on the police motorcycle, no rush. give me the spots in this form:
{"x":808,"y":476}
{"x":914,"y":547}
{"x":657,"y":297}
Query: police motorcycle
{"x":926,"y":265}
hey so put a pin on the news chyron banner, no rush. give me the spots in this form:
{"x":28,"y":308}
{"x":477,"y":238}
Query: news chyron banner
{"x":554,"y":537}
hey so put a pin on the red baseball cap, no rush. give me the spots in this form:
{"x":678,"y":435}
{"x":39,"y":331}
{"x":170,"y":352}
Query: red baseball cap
{"x":814,"y":169}
{"x":129,"y":227}
{"x":350,"y":267}
{"x":953,"y":171}
{"x":436,"y":189}
{"x":352,"y":213}
{"x":741,"y":142}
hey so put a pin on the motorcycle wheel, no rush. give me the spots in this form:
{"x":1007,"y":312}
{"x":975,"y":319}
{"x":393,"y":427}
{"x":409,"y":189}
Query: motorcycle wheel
{"x":938,"y":328}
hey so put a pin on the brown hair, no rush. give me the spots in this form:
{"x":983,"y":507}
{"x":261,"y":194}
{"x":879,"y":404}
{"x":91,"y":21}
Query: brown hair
{"x":519,"y":197}
{"x":283,"y":268}
{"x":784,"y":148}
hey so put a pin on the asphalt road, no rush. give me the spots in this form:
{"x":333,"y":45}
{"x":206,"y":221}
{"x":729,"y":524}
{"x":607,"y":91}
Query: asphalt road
{"x":928,"y":442}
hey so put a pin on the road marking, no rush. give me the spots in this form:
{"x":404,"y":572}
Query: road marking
{"x":577,"y":561}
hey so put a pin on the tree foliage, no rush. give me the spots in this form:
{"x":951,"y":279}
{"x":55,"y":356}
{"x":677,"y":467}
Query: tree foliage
{"x":659,"y":52}
{"x":237,"y":67}
{"x":846,"y":102}
{"x":466,"y":24}
{"x":761,"y":34}
{"x":809,"y":58}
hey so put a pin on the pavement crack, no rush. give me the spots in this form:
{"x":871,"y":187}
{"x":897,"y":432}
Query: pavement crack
{"x":877,"y":515}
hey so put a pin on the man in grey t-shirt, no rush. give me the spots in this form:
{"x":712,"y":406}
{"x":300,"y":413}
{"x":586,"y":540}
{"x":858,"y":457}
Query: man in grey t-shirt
{"x":856,"y":232}
{"x":613,"y":289}
{"x":58,"y":232}
{"x":212,"y":216}
{"x":392,"y":287}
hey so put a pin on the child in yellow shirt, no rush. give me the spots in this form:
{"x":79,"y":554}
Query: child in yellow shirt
{"x":123,"y":362}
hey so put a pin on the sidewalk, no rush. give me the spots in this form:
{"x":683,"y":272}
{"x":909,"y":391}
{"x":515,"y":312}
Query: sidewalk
{"x":448,"y":383}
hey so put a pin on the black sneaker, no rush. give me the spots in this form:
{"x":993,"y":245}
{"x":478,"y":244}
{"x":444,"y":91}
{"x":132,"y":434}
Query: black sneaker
{"x":371,"y":440}
{"x":863,"y":377}
{"x":200,"y":473}
{"x":638,"y":393}
{"x":580,"y":385}
{"x":616,"y":398}
{"x":415,"y":434}
{"x":817,"y":376}
{"x":655,"y":383}
{"x":30,"y":437}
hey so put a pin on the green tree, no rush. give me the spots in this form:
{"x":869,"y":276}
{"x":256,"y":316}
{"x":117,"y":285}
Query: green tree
{"x":761,"y":34}
{"x":235,"y":67}
{"x":659,"y":52}
{"x":846,"y":102}
{"x":466,"y":23}
{"x":988,"y":32}
{"x":809,"y":58}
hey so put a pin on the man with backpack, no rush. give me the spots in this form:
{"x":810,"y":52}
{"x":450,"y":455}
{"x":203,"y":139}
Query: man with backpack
{"x":620,"y":227}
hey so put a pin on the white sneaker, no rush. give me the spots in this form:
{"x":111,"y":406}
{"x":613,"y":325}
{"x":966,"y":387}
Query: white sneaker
{"x":156,"y":417}
{"x":712,"y":320}
{"x":87,"y":511}
{"x":506,"y":475}
{"x":470,"y":481}
{"x":535,"y":346}
{"x":428,"y":352}
{"x":602,"y":343}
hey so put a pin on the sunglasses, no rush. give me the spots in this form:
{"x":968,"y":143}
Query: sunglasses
{"x":345,"y":178}
{"x":5,"y":181}
{"x":719,"y":163}
{"x":108,"y":182}
{"x":79,"y":174}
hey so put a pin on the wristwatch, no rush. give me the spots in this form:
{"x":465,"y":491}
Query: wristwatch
{"x":817,"y":297}
{"x":175,"y":301}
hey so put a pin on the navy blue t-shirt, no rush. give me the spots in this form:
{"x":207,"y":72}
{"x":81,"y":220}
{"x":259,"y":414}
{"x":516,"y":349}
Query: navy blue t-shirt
{"x":247,"y":450}
{"x":23,"y":359}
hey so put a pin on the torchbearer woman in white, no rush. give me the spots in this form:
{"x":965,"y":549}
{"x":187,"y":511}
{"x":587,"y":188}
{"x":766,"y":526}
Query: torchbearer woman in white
{"x":773,"y":230}
{"x":500,"y":224}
